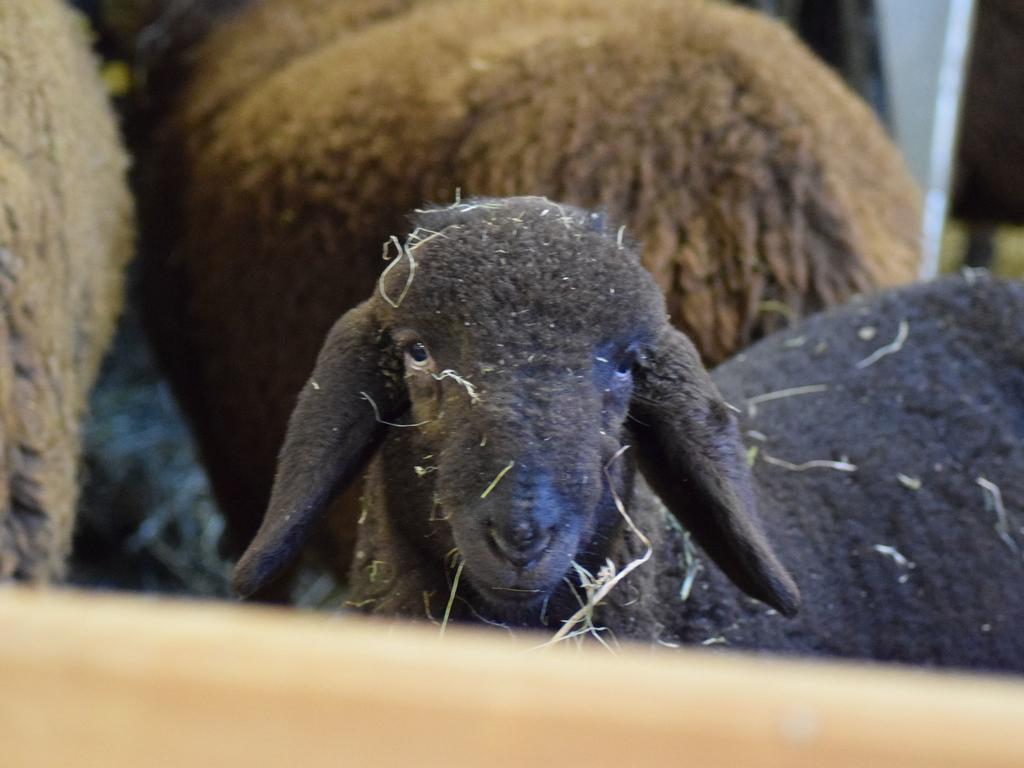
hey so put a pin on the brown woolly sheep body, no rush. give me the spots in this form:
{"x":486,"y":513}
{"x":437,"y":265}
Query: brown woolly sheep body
{"x":303,"y":131}
{"x":65,"y":236}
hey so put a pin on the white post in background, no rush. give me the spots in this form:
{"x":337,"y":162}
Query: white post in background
{"x":924,"y":48}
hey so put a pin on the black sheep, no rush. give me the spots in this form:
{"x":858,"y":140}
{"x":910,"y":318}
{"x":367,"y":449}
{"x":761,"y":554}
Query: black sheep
{"x":529,"y":357}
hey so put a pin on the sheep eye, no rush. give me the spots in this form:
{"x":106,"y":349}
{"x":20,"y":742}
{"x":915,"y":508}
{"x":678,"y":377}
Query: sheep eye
{"x":625,"y":366}
{"x":418,"y":354}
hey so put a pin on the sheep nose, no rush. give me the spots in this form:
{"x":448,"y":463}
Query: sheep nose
{"x":521,"y":542}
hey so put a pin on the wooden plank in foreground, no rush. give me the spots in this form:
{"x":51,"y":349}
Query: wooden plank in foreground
{"x":104,"y":681}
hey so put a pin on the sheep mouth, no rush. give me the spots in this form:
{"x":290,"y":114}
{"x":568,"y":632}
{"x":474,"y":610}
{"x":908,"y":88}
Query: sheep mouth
{"x":522,"y":561}
{"x":514,"y":605}
{"x":512,"y":593}
{"x":514,"y":589}
{"x":518,"y":595}
{"x":506,"y":588}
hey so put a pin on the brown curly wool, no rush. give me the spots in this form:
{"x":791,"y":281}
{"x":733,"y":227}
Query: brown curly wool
{"x":306,"y":129}
{"x":65,"y":236}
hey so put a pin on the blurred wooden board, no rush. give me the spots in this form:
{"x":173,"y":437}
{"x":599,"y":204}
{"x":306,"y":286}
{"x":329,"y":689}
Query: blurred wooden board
{"x":105,"y":681}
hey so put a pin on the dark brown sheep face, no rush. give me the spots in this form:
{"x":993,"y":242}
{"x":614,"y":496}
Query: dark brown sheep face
{"x":517,"y":451}
{"x":494,"y":374}
{"x":518,"y":338}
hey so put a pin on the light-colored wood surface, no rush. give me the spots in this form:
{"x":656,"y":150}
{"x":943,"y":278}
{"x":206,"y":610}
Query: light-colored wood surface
{"x":104,"y":681}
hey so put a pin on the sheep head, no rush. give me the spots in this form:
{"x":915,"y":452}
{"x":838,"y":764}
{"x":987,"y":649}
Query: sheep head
{"x":513,"y":369}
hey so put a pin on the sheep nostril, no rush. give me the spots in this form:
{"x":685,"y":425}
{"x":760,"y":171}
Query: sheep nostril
{"x":521,"y":543}
{"x":522,"y":534}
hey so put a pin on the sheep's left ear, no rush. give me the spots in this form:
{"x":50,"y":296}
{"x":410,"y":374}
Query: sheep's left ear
{"x":691,"y":454}
{"x":334,"y":428}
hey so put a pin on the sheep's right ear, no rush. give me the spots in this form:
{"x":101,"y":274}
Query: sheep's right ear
{"x":691,"y":453}
{"x":331,"y":433}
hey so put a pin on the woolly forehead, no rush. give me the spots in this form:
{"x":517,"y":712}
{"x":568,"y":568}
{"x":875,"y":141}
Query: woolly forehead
{"x":523,"y":281}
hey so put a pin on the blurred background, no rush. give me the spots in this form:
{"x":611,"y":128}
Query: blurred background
{"x":945,"y":77}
